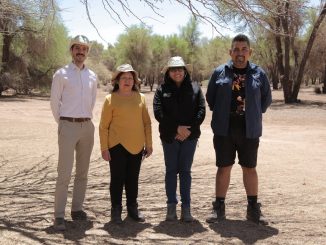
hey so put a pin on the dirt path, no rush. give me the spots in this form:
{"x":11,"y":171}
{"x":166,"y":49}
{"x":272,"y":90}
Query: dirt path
{"x":291,"y":169}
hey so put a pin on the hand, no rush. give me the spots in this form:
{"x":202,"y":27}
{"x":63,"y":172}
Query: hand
{"x":106,"y":155}
{"x":149,"y":151}
{"x":183,"y":131}
{"x":180,"y":138}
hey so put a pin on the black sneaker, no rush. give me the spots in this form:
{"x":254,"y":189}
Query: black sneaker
{"x":218,"y":213}
{"x":59,"y":224}
{"x":78,"y":215}
{"x":255,"y":215}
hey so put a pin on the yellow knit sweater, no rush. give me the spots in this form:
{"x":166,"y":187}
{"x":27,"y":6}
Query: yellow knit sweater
{"x":125,"y":120}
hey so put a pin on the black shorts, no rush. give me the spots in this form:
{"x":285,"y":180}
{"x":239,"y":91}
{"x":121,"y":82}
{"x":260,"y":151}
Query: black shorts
{"x":226,"y":147}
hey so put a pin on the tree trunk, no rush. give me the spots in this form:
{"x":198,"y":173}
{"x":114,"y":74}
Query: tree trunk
{"x":287,"y":84}
{"x":275,"y":80}
{"x":324,"y":80}
{"x":278,"y":44}
{"x":7,"y":38}
{"x":306,"y":54}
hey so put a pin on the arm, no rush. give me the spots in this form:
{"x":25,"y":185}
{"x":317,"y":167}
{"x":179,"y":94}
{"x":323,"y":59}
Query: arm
{"x":211,"y":91}
{"x":94,"y":93}
{"x":266,"y":94}
{"x":147,"y":128}
{"x":106,"y":118}
{"x":56,"y":93}
{"x":201,"y":112}
{"x":162,"y":118}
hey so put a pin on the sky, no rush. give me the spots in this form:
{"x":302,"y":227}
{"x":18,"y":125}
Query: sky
{"x":174,"y":16}
{"x":74,"y":17}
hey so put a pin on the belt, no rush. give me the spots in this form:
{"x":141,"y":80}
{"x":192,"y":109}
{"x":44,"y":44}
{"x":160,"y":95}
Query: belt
{"x":72,"y":119}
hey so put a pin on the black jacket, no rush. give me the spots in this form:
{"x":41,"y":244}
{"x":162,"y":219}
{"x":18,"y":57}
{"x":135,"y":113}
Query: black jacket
{"x":175,"y":106}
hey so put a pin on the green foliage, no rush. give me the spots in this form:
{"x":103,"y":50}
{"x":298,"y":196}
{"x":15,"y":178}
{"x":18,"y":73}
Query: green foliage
{"x":191,"y":34}
{"x":109,"y":58}
{"x":134,"y":48}
{"x":36,"y":55}
{"x":37,"y":47}
{"x":177,"y":46}
{"x":161,"y":54}
{"x":103,"y":74}
{"x":45,"y":53}
{"x":49,"y":52}
{"x":96,"y":51}
{"x":212,"y":54}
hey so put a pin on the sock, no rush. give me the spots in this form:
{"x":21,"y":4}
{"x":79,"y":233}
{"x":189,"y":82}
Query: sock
{"x":252,"y":199}
{"x":220,"y":200}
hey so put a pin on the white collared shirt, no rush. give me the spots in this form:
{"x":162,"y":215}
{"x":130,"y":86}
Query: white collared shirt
{"x":73,"y":92}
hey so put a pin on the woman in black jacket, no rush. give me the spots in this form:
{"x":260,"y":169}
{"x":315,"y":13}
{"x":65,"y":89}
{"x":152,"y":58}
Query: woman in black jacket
{"x":179,"y":107}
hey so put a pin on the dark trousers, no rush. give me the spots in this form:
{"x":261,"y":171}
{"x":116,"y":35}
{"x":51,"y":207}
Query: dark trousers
{"x":124,"y":168}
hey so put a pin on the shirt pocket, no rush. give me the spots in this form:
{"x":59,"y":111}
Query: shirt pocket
{"x":253,"y":86}
{"x":223,"y":86}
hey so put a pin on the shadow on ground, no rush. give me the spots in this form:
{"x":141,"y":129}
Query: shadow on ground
{"x":75,"y":230}
{"x":179,"y":229}
{"x":126,"y":230}
{"x":246,"y":231}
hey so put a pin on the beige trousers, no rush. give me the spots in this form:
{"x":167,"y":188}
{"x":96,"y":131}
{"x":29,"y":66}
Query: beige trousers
{"x":79,"y":137}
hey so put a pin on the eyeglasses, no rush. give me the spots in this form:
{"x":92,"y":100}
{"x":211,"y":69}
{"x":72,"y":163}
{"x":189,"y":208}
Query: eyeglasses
{"x":176,"y":69}
{"x":126,"y":78}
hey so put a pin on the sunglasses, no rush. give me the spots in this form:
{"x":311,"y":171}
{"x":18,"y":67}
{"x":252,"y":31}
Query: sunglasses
{"x":176,"y":69}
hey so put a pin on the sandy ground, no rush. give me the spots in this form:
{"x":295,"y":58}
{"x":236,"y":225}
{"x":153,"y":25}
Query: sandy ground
{"x":291,"y":169}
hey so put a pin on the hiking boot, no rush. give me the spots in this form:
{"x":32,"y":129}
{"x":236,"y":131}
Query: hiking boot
{"x":218,"y":213}
{"x":171,"y":214}
{"x":78,"y":215}
{"x":186,"y":215}
{"x":134,"y":213}
{"x":116,"y":214}
{"x":255,"y":215}
{"x":59,"y":224}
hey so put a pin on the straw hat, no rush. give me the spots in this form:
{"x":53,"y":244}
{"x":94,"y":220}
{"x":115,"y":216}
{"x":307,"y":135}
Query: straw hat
{"x":81,"y":40}
{"x":176,"y":61}
{"x":125,"y":68}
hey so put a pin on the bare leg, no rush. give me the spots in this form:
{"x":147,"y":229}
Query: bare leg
{"x":250,"y":181}
{"x":223,"y":175}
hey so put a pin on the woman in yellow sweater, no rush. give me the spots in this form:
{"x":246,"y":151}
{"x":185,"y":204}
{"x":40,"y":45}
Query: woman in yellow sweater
{"x":125,"y":137}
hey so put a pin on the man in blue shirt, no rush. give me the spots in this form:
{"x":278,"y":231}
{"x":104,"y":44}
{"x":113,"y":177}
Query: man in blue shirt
{"x":238,"y":93}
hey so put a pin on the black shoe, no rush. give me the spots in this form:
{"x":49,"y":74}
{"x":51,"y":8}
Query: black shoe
{"x":255,"y":215}
{"x":134,"y":213}
{"x":218,"y":213}
{"x":116,"y":214}
{"x":171,"y":214}
{"x":59,"y":224}
{"x":186,"y":215}
{"x":78,"y":215}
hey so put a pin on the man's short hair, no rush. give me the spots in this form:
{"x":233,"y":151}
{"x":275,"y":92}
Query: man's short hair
{"x":240,"y":38}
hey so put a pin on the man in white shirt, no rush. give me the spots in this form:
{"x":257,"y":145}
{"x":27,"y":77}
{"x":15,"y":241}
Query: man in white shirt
{"x":73,"y":96}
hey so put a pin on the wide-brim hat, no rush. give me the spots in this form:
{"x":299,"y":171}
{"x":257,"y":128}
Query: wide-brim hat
{"x":176,"y":61}
{"x":125,"y":68}
{"x":81,"y":40}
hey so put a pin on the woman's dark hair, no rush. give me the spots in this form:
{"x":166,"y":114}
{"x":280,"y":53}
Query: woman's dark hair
{"x":135,"y":87}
